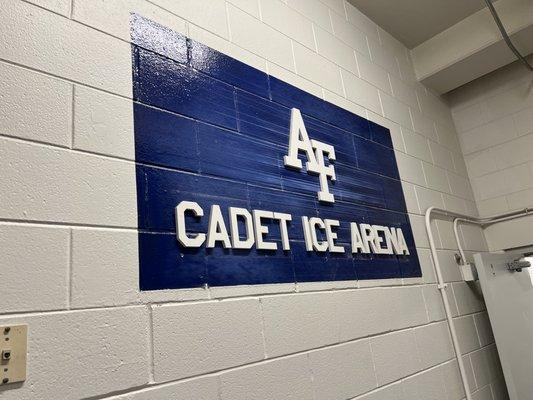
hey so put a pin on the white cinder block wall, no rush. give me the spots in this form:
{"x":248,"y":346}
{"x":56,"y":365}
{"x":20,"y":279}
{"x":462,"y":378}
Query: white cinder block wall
{"x":68,"y":264}
{"x":494,"y":119}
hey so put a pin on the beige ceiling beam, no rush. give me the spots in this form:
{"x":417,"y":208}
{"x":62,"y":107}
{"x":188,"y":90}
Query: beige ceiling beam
{"x":474,"y":46}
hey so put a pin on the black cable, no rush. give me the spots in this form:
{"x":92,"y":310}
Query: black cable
{"x":506,"y":36}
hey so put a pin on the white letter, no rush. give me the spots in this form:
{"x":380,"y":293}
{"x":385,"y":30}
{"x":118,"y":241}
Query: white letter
{"x":331,"y":236}
{"x":378,"y":239}
{"x":234,"y":214}
{"x":261,"y":230}
{"x":388,"y":240}
{"x":299,"y":140}
{"x":321,"y":150}
{"x":402,"y":245}
{"x":357,"y":242}
{"x":283,"y":218}
{"x":307,"y":234}
{"x":181,"y":233}
{"x":217,"y":229}
{"x":368,"y":234}
{"x":318,"y":246}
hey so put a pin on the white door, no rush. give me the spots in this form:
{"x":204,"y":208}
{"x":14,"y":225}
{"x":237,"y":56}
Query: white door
{"x":509,"y":299}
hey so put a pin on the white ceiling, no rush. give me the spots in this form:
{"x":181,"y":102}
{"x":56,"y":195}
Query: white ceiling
{"x":415,"y":21}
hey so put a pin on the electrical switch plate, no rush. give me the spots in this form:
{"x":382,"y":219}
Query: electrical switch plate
{"x":13,"y":349}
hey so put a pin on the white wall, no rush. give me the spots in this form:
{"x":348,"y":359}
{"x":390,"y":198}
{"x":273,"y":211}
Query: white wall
{"x":68,"y":264}
{"x":494,"y":119}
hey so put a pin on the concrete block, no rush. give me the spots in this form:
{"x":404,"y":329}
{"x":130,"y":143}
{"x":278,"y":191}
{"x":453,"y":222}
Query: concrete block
{"x":396,"y":111}
{"x":467,"y":334}
{"x":349,"y":34}
{"x":113,"y":17}
{"x":374,"y":74}
{"x":410,"y":169}
{"x":427,"y":385}
{"x":446,"y":235}
{"x":434,"y":344}
{"x":452,"y":381}
{"x":259,"y":38}
{"x":35,"y":106}
{"x":523,"y":121}
{"x":493,"y":362}
{"x":395,"y":356}
{"x":447,"y":136}
{"x":65,"y":48}
{"x":342,"y":372}
{"x":468,"y":297}
{"x":409,"y":195}
{"x":470,"y":117}
{"x":317,"y":69}
{"x":427,"y":197}
{"x":231,"y":49}
{"x":449,"y":268}
{"x":82,"y":354}
{"x":299,"y":322}
{"x":467,"y":361}
{"x":284,"y":378}
{"x":434,"y":305}
{"x":418,"y":227}
{"x":335,"y":50}
{"x":460,"y":186}
{"x":34,"y":259}
{"x":314,"y":10}
{"x":497,"y":205}
{"x":481,"y":367}
{"x":499,"y":390}
{"x":390,"y":392}
{"x":361,"y":92}
{"x":473,"y":238}
{"x":249,"y":6}
{"x":416,"y":145}
{"x":404,"y":92}
{"x":203,"y":388}
{"x":488,"y":135}
{"x":105,"y":271}
{"x":426,"y":263}
{"x":191,"y":339}
{"x":336,"y":5}
{"x":456,"y":204}
{"x":459,"y":164}
{"x":436,"y":178}
{"x":366,"y":312}
{"x":288,"y":21}
{"x":442,"y":157}
{"x":382,"y":57}
{"x":50,"y":184}
{"x":423,"y":125}
{"x":483,"y":394}
{"x":208,"y":14}
{"x":103,"y":123}
{"x":361,"y":21}
{"x":58,"y":6}
{"x":105,"y":268}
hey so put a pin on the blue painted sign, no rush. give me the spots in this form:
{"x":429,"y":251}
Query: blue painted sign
{"x":245,"y":179}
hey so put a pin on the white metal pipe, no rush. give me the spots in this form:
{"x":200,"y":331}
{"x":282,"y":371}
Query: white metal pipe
{"x":442,"y":286}
{"x":482,"y":222}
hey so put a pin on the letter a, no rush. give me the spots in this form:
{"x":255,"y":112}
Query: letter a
{"x":299,"y":141}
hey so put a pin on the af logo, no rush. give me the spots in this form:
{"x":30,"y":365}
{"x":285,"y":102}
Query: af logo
{"x":315,"y":152}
